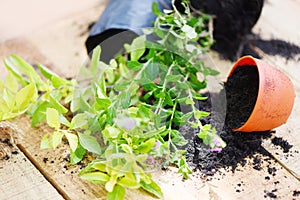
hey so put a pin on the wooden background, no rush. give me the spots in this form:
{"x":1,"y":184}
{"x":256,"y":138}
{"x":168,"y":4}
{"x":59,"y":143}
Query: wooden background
{"x":31,"y":173}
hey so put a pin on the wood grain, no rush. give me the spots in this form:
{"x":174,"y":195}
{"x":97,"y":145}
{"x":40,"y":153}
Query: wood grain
{"x":19,"y":177}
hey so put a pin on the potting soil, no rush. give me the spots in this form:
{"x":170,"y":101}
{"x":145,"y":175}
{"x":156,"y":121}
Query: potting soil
{"x":241,"y":94}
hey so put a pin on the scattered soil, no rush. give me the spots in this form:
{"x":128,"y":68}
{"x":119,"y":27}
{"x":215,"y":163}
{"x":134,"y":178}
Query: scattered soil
{"x":271,"y":194}
{"x":45,"y":159}
{"x":241,"y":94}
{"x":282,"y":143}
{"x":7,"y":142}
{"x":7,"y":155}
{"x":296,"y":193}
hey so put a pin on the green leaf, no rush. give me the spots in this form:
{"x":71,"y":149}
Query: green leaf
{"x":126,"y":148}
{"x":152,"y":188}
{"x":58,"y":82}
{"x":57,"y":105}
{"x":125,"y":99}
{"x":110,"y":75}
{"x":95,"y":177}
{"x":83,"y":104}
{"x":9,"y":100}
{"x":90,"y":143}
{"x":79,"y":121}
{"x":199,"y":97}
{"x":173,"y":78}
{"x":52,"y":118}
{"x":183,"y":85}
{"x":111,"y":132}
{"x":129,"y":182}
{"x":184,"y":168}
{"x":113,"y":64}
{"x":189,"y":31}
{"x":210,"y":71}
{"x":137,"y":48}
{"x":151,"y":72}
{"x":111,"y":184}
{"x":51,"y":140}
{"x":99,"y":165}
{"x":102,"y":104}
{"x":199,"y":114}
{"x":73,"y":140}
{"x":27,"y":69}
{"x":134,"y":65}
{"x":155,"y":9}
{"x":95,"y":60}
{"x":118,"y":193}
{"x":26,"y":96}
{"x":189,"y":101}
{"x":46,"y":72}
{"x":196,"y":84}
{"x":178,"y":139}
{"x":8,"y":65}
{"x":39,"y":114}
{"x":63,"y":120}
{"x":77,"y":156}
{"x":146,"y":146}
{"x":124,"y":70}
{"x":11,"y":83}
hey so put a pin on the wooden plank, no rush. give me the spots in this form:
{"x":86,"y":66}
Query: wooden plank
{"x":54,"y":165}
{"x":19,"y":178}
{"x":248,"y":183}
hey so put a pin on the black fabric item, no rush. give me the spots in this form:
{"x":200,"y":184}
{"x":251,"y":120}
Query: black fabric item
{"x":111,"y":42}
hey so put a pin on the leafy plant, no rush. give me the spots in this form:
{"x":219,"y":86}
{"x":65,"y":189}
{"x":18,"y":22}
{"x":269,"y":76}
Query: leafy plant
{"x":127,"y":112}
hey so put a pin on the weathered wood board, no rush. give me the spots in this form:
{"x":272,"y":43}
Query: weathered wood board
{"x":62,"y":46}
{"x":19,"y":178}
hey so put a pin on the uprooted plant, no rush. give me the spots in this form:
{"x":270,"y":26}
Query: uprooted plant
{"x":127,"y":112}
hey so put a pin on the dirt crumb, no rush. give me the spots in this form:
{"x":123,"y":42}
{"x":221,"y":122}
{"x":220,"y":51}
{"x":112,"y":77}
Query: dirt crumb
{"x":285,"y":145}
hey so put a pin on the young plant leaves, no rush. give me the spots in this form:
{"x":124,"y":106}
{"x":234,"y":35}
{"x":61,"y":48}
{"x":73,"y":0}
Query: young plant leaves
{"x":118,"y":193}
{"x":73,"y":140}
{"x":95,"y":177}
{"x":137,"y":48}
{"x":152,"y":188}
{"x":52,"y":118}
{"x":90,"y":143}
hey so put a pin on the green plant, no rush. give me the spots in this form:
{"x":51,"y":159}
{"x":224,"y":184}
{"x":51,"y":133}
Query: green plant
{"x":127,"y":112}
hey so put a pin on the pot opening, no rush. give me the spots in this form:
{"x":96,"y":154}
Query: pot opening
{"x":241,"y":95}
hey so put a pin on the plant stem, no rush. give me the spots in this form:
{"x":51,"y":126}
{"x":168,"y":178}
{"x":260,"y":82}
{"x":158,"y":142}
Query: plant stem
{"x":159,"y":105}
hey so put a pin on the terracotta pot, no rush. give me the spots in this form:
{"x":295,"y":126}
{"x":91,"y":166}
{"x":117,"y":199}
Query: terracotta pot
{"x":275,"y":97}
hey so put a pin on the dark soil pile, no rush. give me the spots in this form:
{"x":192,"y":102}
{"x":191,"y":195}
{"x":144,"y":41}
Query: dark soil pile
{"x":241,"y":94}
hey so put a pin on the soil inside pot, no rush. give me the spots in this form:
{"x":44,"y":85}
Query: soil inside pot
{"x":241,"y":94}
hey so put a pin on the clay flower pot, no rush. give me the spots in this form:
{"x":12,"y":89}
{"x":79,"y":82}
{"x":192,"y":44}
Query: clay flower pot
{"x":275,"y":98}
